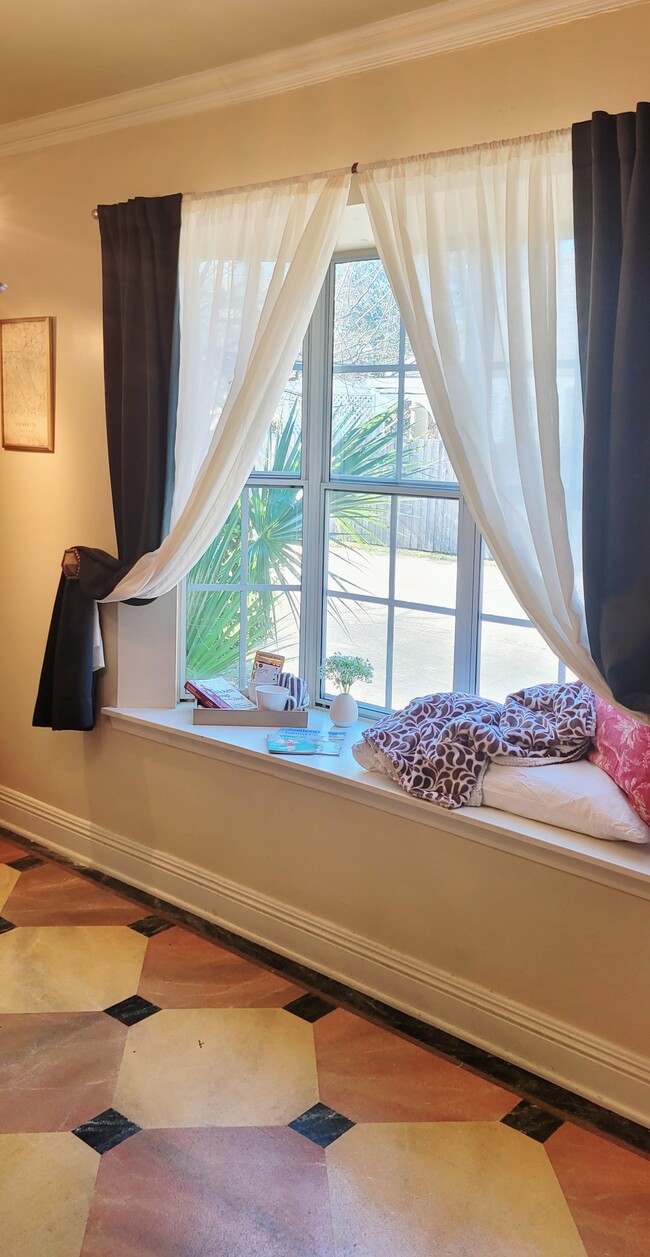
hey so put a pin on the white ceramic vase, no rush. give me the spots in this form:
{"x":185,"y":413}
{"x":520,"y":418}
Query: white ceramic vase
{"x":344,"y":711}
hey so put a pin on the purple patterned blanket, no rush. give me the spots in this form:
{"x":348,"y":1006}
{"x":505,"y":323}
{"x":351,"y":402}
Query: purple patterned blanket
{"x":439,"y":747}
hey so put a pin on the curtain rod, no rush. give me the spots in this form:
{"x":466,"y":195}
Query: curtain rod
{"x":271,"y":183}
{"x":386,"y":163}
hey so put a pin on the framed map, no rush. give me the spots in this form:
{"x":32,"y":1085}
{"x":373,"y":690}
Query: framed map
{"x":27,"y":384}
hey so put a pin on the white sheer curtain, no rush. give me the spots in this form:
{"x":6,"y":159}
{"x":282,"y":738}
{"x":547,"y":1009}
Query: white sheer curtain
{"x":478,"y":246}
{"x":251,"y":266}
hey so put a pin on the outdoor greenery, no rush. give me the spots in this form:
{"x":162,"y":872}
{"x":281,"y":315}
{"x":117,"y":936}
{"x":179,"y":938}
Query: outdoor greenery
{"x":361,"y":446}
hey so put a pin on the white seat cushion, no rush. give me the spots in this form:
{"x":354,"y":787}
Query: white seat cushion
{"x":576,"y":796}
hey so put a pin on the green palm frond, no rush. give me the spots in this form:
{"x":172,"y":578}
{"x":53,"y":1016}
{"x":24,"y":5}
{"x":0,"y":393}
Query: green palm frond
{"x":360,"y":449}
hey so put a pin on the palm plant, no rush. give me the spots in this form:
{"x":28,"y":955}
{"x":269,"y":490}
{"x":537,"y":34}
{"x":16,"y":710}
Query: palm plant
{"x":360,"y":448}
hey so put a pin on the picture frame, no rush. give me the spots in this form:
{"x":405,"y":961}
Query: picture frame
{"x":27,"y":384}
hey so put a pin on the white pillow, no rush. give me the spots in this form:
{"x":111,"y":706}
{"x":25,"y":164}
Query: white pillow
{"x":576,"y":796}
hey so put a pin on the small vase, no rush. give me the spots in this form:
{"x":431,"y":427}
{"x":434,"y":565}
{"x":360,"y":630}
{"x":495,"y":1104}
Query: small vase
{"x":344,"y":711}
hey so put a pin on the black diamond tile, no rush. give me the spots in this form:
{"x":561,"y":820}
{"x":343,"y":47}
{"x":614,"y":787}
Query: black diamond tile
{"x":531,"y":1121}
{"x":309,"y":1007}
{"x":5,"y":925}
{"x":130,"y":1011}
{"x":322,"y":1125}
{"x":151,"y":925}
{"x":106,"y":1131}
{"x":25,"y":862}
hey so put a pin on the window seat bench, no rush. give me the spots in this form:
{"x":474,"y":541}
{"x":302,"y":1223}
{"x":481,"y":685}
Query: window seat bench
{"x":625,"y":866}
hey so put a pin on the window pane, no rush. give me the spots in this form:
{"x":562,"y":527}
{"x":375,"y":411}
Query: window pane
{"x":498,"y":598}
{"x":359,"y":543}
{"x":424,"y":456}
{"x":426,"y":561}
{"x":282,"y":448}
{"x":364,"y":425}
{"x":213,"y":622}
{"x":423,"y":655}
{"x":273,"y":623}
{"x":274,"y":536}
{"x":512,"y":658}
{"x":366,"y":318}
{"x":360,"y":628}
{"x":221,"y":563}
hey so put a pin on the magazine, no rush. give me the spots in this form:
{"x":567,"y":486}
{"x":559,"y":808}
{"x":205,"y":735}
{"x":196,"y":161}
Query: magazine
{"x":305,"y":742}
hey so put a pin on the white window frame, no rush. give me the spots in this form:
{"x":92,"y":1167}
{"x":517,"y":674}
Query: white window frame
{"x":316,"y":481}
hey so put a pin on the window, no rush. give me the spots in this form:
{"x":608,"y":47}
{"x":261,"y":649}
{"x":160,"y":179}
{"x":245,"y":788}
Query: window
{"x":352,"y":534}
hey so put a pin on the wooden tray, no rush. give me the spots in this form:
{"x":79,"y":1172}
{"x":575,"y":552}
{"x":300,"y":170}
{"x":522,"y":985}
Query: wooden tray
{"x":252,"y":718}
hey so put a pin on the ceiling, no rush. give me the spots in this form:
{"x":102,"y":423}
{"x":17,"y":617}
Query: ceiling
{"x":56,"y":55}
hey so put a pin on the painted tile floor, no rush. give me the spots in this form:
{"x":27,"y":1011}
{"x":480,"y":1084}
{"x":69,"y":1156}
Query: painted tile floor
{"x":163,"y":1096}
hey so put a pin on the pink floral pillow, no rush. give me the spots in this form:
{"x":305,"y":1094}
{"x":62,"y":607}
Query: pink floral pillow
{"x":622,"y":749}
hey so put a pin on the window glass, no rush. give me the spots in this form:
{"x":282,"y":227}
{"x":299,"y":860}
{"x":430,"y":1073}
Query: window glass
{"x":244,"y":594}
{"x":513,"y":655}
{"x":281,"y":452}
{"x":212,"y":634}
{"x":359,"y":628}
{"x":423,"y":655}
{"x":364,"y":426}
{"x":366,"y":319}
{"x":426,"y":551}
{"x":358,"y":544}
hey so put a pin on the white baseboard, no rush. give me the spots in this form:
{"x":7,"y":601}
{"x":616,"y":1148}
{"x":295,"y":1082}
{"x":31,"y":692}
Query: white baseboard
{"x":593,"y":1067}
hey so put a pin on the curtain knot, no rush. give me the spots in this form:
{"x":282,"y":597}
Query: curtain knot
{"x":71,"y":563}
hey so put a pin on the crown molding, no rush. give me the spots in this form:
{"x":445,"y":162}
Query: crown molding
{"x":442,"y":27}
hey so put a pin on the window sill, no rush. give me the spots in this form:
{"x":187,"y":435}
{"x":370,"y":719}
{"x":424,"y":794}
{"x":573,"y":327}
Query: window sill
{"x":621,"y":865}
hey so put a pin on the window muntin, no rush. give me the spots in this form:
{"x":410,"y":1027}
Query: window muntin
{"x":354,"y":518}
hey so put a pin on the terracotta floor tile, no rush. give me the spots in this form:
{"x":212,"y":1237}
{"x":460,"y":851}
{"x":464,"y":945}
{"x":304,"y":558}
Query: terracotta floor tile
{"x":211,"y":1193}
{"x":57,"y":1069}
{"x":607,"y":1189}
{"x":10,"y":850}
{"x":54,"y":895}
{"x":182,"y":970}
{"x":371,"y":1075}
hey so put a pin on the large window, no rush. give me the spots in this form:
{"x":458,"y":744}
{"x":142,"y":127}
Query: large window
{"x":352,"y":533}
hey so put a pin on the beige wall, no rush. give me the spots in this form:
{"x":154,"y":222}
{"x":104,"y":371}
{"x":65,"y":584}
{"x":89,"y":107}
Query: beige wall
{"x":535,"y":935}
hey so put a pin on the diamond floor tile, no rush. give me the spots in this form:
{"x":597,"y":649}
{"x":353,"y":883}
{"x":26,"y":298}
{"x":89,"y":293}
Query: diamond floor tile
{"x":322,"y":1125}
{"x":218,"y":1067}
{"x":106,"y":1130}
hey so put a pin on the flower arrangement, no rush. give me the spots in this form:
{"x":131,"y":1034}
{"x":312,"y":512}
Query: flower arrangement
{"x":344,"y":670}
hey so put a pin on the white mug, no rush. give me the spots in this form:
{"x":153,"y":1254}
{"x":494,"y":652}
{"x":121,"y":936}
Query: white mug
{"x":271,"y":697}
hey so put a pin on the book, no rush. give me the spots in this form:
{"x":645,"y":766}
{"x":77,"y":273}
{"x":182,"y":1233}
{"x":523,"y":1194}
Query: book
{"x":305,"y":742}
{"x":217,"y":692}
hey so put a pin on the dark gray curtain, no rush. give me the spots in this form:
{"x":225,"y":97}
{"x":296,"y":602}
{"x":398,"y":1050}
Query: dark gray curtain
{"x":611,"y":163}
{"x":140,"y":279}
